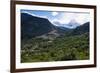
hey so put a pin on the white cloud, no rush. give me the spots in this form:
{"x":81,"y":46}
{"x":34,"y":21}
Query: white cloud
{"x":54,"y":13}
{"x":65,"y":18}
{"x":82,"y":18}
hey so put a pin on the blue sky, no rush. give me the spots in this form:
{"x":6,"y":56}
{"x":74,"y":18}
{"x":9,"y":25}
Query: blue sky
{"x":62,"y":17}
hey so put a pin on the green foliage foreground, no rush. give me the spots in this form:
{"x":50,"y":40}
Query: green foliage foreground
{"x":60,"y":49}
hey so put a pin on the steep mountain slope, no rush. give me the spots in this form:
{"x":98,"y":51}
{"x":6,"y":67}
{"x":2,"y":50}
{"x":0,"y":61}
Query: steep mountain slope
{"x":32,"y":26}
{"x":82,"y":29}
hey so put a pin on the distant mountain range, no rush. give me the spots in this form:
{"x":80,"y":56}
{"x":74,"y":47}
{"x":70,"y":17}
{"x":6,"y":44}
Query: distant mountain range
{"x":32,"y":26}
{"x":71,"y":25}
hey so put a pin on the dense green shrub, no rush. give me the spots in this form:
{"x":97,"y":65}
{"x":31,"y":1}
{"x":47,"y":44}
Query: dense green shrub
{"x":75,"y":47}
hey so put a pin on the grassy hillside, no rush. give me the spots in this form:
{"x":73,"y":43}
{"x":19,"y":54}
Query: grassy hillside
{"x":60,"y":49}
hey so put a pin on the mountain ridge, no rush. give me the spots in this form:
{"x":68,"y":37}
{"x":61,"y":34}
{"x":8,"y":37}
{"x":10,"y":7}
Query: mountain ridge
{"x":32,"y":26}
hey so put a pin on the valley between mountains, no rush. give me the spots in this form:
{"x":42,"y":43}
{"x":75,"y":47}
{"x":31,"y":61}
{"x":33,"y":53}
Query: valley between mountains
{"x":41,"y":41}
